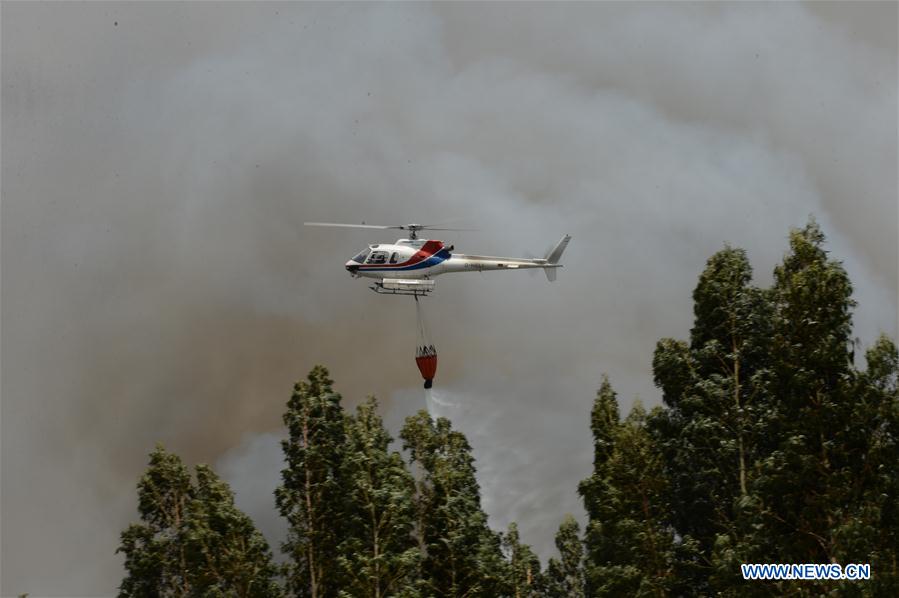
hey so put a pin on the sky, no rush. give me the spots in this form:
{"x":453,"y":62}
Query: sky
{"x":159,"y":159}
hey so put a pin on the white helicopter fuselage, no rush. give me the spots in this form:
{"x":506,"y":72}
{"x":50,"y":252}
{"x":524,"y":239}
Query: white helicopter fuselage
{"x":417,"y":259}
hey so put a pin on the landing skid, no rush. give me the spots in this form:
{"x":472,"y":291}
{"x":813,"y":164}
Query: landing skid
{"x":383,"y":291}
{"x":410,"y":288}
{"x":409,"y":293}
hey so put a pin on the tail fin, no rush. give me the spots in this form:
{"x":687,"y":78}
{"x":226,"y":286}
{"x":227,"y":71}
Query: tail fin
{"x":553,"y":257}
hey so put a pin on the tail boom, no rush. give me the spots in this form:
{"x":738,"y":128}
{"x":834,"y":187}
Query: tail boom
{"x":481,"y":263}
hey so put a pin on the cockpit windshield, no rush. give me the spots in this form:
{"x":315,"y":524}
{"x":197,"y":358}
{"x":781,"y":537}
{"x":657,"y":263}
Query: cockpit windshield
{"x":360,"y":259}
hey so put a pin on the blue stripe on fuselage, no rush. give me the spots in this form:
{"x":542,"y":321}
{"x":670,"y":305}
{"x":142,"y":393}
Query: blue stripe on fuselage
{"x":435,"y":259}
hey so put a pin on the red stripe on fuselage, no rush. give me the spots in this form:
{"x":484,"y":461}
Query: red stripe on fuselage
{"x":426,"y":251}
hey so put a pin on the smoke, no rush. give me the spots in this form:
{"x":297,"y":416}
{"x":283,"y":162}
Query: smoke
{"x":157,"y":283}
{"x":254,"y":467}
{"x":439,"y":405}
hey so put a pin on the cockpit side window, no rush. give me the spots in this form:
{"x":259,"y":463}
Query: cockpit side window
{"x":360,"y":259}
{"x":377,"y":257}
{"x":394,"y":258}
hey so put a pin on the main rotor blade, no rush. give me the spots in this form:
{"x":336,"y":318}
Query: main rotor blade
{"x":444,"y":222}
{"x":341,"y":225}
{"x":409,"y":227}
{"x":453,"y":229}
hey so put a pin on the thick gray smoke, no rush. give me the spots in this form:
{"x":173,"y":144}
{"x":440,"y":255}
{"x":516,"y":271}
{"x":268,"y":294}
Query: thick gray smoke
{"x":159,"y":159}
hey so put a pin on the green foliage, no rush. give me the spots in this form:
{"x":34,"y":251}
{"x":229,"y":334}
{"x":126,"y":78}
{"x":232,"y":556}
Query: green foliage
{"x":461,"y":554}
{"x":378,"y":554}
{"x":866,"y":520}
{"x":604,"y":420}
{"x":771,"y":446}
{"x":716,"y":390}
{"x":631,"y":547}
{"x":313,"y":493}
{"x":806,"y":480}
{"x":776,"y":447}
{"x":360,"y":523}
{"x":523,"y":579}
{"x":192,"y":540}
{"x":565,"y":576}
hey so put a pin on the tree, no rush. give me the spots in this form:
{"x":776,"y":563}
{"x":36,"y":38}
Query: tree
{"x":811,"y":378}
{"x":775,"y":446}
{"x":379,"y":556}
{"x":192,"y":540}
{"x":524,"y":578}
{"x":313,"y":493}
{"x":565,"y":576}
{"x":864,"y":519}
{"x":631,"y":548}
{"x":235,"y":559}
{"x":808,"y":473}
{"x":461,"y":555}
{"x":870,"y":531}
{"x":715,"y":389}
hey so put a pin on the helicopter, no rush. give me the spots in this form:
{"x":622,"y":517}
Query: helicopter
{"x":408,"y":266}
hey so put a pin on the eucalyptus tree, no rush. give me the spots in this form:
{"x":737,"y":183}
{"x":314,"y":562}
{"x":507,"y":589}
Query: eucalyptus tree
{"x":192,"y":540}
{"x":313,"y":493}
{"x":378,"y":553}
{"x":631,"y":544}
{"x":524,"y":579}
{"x":565,"y":575}
{"x":461,"y":555}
